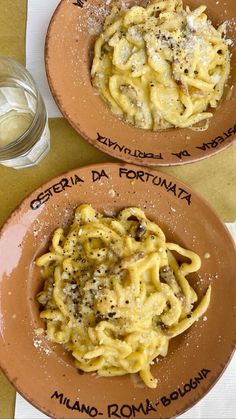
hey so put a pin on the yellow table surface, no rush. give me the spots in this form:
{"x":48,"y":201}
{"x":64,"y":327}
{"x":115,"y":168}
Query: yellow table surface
{"x":214,"y":178}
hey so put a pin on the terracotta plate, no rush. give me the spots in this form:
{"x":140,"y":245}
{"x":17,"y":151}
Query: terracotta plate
{"x":43,"y":372}
{"x":69,"y":53}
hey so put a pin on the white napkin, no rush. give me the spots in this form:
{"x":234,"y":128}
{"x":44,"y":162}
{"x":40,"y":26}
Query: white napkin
{"x":220,"y":402}
{"x":39,"y":15}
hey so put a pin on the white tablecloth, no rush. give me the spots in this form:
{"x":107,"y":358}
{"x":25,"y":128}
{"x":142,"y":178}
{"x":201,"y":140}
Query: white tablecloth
{"x":220,"y":402}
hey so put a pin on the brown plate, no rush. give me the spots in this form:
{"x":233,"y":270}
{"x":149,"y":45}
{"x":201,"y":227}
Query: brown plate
{"x":43,"y":372}
{"x":68,"y":56}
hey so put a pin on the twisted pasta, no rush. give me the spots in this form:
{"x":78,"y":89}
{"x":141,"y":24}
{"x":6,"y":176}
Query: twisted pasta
{"x":114,"y":293}
{"x":161,"y":66}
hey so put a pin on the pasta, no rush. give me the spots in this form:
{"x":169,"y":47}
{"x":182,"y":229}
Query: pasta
{"x":114,"y":294}
{"x":162,"y":66}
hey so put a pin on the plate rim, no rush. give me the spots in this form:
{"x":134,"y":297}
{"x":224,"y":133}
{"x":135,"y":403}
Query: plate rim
{"x":125,"y":157}
{"x":4,"y":227}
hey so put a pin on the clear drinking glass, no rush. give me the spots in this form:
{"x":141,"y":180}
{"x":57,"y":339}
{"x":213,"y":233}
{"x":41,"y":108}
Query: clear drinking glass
{"x":24,"y":132}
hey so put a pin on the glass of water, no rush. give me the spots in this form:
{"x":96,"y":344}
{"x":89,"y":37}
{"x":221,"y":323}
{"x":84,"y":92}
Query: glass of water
{"x":24,"y":132}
